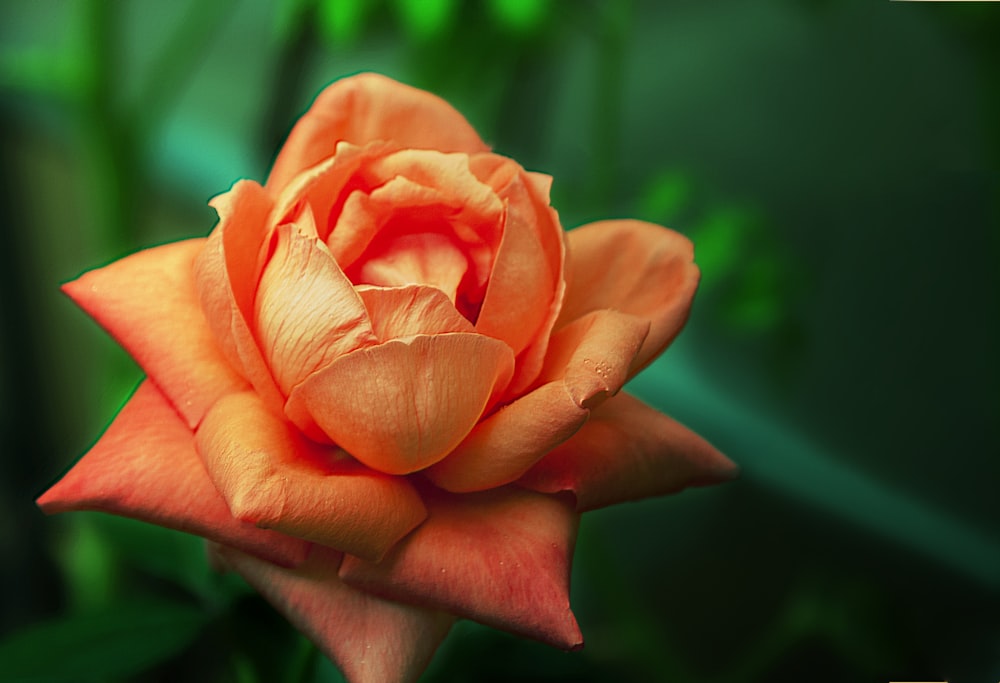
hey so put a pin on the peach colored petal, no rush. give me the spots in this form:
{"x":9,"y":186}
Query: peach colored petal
{"x":145,"y":467}
{"x":419,"y":192}
{"x":628,"y":451}
{"x":307,"y":312}
{"x":588,"y":361}
{"x":366,"y":108}
{"x":498,"y":557}
{"x":147,"y":301}
{"x":370,"y":639}
{"x":403,"y":405}
{"x":637,"y":268}
{"x":526,"y":286}
{"x":398,"y":312}
{"x":226,"y":275}
{"x":269,"y":475}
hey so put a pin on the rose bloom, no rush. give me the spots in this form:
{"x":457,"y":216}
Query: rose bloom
{"x":387,"y":384}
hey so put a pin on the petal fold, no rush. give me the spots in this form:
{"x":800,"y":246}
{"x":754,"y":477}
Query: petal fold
{"x":371,"y":640}
{"x":588,"y":361}
{"x":628,"y":451}
{"x":634,"y":267}
{"x":498,"y":557}
{"x":148,"y":302}
{"x":403,"y":405}
{"x":273,"y":477}
{"x":227,"y":272}
{"x":145,"y":467}
{"x":367,"y":108}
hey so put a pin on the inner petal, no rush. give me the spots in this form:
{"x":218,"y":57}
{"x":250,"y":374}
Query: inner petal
{"x":424,"y":258}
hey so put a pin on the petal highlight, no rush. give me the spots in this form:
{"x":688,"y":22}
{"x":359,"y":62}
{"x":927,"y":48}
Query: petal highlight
{"x":628,"y":451}
{"x":145,"y":467}
{"x":370,"y":639}
{"x":149,"y":304}
{"x":273,"y":477}
{"x":499,"y":557}
{"x":403,"y":405}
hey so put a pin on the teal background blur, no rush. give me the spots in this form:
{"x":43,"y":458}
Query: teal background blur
{"x":836,"y":163}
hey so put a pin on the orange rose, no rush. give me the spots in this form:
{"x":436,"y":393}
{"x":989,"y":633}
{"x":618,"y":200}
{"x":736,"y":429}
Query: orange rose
{"x":387,"y":383}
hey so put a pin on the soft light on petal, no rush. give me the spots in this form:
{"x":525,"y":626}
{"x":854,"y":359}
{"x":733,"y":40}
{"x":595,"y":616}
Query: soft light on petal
{"x":306,"y":312}
{"x":269,"y":475}
{"x":501,"y":558}
{"x":148,"y":302}
{"x":634,"y":267}
{"x":628,"y":451}
{"x":145,"y":467}
{"x":370,"y":639}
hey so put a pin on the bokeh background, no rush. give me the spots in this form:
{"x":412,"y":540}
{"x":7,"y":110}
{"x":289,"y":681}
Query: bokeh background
{"x":837,"y":163}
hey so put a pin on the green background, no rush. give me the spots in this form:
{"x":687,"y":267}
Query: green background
{"x":836,"y":163}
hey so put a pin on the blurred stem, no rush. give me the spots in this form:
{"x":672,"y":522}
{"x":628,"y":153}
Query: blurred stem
{"x":614,"y":29}
{"x":303,"y":665}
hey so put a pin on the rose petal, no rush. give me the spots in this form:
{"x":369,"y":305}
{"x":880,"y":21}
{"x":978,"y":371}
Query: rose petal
{"x":397,"y":312}
{"x":145,"y":467}
{"x":405,"y":404}
{"x":147,"y":301}
{"x":588,"y":361}
{"x":366,"y":108}
{"x":370,"y":639}
{"x":307,"y":312}
{"x":628,"y":451}
{"x":526,"y":286}
{"x":498,"y":557}
{"x":271,"y":476}
{"x":634,"y":267}
{"x":226,"y":275}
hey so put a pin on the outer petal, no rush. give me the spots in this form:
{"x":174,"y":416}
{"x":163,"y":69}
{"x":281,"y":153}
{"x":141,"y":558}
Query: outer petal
{"x":628,"y":451}
{"x":634,"y":267}
{"x":366,"y":108}
{"x":227,"y":272}
{"x":148,"y":302}
{"x":271,"y":476}
{"x":398,"y":312}
{"x":526,"y":286}
{"x":498,"y":557}
{"x":588,"y":361}
{"x":306,"y":311}
{"x":145,"y":467}
{"x":405,"y":404}
{"x":371,"y":640}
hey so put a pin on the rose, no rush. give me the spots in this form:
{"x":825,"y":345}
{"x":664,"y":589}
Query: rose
{"x":387,"y":383}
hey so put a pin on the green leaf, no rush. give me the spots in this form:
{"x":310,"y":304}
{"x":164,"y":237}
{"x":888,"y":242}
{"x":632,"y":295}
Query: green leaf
{"x":121,"y":641}
{"x":666,"y":195}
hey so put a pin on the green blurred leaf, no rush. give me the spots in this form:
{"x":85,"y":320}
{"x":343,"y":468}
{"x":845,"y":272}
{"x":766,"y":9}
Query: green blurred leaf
{"x":287,"y":16}
{"x":121,"y":641}
{"x":88,"y":564}
{"x":426,"y":19}
{"x":342,"y":23}
{"x":523,"y":17}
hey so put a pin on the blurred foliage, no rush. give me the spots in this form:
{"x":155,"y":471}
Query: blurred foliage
{"x":836,"y":165}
